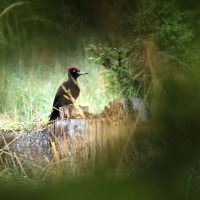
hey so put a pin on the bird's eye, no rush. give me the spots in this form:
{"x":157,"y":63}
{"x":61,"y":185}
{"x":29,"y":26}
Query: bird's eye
{"x":73,"y":70}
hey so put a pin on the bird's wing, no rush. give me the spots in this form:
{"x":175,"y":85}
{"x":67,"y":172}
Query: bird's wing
{"x":60,"y":92}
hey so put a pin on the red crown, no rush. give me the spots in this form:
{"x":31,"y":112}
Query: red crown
{"x":75,"y":69}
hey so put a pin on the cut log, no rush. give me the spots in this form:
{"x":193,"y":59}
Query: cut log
{"x":83,"y":135}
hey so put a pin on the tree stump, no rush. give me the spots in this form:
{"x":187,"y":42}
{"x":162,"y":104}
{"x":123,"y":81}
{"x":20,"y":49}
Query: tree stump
{"x":82,"y":135}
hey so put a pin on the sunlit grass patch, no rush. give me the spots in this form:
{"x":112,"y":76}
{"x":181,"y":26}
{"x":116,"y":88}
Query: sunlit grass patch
{"x":28,"y":88}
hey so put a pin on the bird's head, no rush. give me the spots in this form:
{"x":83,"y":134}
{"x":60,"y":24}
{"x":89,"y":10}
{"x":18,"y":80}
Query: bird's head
{"x":75,"y":72}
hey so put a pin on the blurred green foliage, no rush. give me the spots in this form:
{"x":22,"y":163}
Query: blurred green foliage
{"x":154,"y":30}
{"x":145,"y":47}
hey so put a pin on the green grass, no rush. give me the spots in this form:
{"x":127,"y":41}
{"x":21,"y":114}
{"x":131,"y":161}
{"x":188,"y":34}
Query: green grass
{"x":28,"y":87}
{"x":36,"y":51}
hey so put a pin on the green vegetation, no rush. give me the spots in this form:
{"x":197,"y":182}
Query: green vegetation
{"x":155,"y":31}
{"x":28,"y":88}
{"x":145,"y":49}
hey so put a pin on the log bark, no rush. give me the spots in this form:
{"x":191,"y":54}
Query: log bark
{"x":83,"y":135}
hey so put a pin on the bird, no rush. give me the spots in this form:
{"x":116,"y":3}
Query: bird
{"x":67,"y":93}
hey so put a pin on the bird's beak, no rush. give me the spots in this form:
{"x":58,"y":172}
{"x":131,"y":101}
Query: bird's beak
{"x":82,"y":73}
